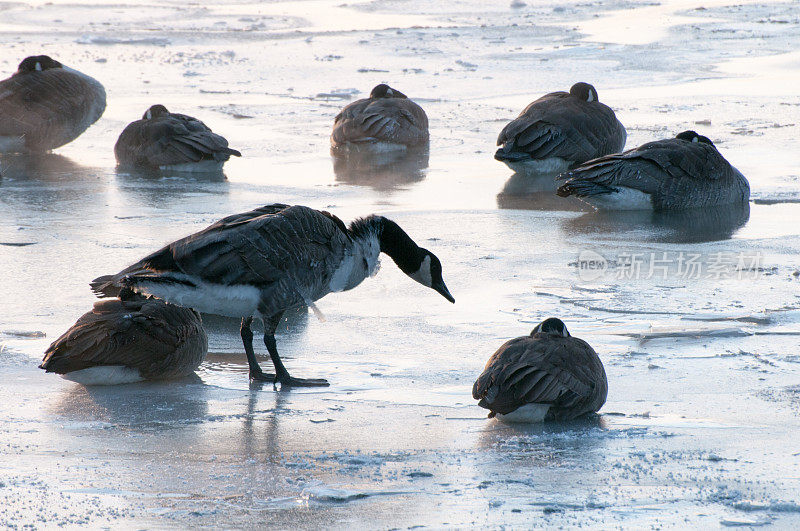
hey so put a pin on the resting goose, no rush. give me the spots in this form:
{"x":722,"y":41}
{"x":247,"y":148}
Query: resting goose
{"x":162,"y":140}
{"x":560,"y":130}
{"x":385,"y":121}
{"x":123,"y":341}
{"x":677,"y":173}
{"x":45,"y":104}
{"x":271,"y":259}
{"x":548,"y":375}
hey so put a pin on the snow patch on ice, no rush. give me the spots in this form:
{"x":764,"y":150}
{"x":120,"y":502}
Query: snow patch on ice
{"x":102,"y":40}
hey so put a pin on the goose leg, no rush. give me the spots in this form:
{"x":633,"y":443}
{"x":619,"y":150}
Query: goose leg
{"x":247,"y":338}
{"x":282,"y":375}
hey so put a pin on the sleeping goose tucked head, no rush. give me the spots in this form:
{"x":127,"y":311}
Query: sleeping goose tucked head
{"x":38,"y":63}
{"x":691,"y":136}
{"x":154,"y":112}
{"x":584,"y":91}
{"x":385,"y":91}
{"x":552,"y":326}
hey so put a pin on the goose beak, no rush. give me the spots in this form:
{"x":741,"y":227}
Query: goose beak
{"x":443,"y":291}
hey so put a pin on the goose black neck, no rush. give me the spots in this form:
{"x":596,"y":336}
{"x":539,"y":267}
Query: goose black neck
{"x":393,"y":241}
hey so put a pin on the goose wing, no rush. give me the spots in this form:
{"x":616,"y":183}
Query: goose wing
{"x":672,"y":171}
{"x":145,"y":334}
{"x":560,"y":125}
{"x":170,"y":139}
{"x":49,"y":108}
{"x":286,"y":251}
{"x":395,"y":120}
{"x":549,"y":370}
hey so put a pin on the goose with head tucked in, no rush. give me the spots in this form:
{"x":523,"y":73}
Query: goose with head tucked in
{"x":163,"y":140}
{"x":45,"y":105}
{"x":385,"y":121}
{"x":269,"y":260}
{"x":560,"y":130}
{"x":548,"y":375}
{"x":128,"y":340}
{"x":677,"y":173}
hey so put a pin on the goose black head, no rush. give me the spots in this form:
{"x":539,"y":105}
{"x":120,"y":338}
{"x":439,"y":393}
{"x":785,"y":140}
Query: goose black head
{"x":385,"y":91}
{"x":38,"y":63}
{"x":416,"y":262}
{"x":691,"y":136}
{"x":551,"y":326}
{"x":584,"y":91}
{"x":429,"y":273}
{"x":154,"y":112}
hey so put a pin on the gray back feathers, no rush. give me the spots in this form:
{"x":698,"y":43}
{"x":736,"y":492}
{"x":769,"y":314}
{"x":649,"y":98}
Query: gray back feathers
{"x":562,"y":125}
{"x":392,"y":120}
{"x":160,"y":339}
{"x":289,"y":253}
{"x":676,"y":173}
{"x":170,"y":139}
{"x":49,"y":108}
{"x":564,"y":372}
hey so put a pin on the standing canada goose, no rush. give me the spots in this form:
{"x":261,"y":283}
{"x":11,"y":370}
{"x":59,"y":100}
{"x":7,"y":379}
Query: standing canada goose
{"x":385,"y":121}
{"x":266,"y":261}
{"x":45,"y":104}
{"x":123,"y":341}
{"x":682,"y":172}
{"x":162,"y":140}
{"x":548,"y":375}
{"x":560,"y":130}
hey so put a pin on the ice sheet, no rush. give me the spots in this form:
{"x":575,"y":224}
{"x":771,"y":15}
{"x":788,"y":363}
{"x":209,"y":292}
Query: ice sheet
{"x":700,"y":427}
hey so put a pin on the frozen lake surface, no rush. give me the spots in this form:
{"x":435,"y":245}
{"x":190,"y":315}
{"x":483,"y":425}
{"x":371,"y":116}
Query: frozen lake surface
{"x":701,"y":424}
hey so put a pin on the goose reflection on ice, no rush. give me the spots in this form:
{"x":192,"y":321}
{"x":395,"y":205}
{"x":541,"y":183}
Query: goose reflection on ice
{"x":547,"y":444}
{"x":528,"y":191}
{"x":51,"y":182}
{"x":696,"y":225}
{"x":43,"y":167}
{"x":385,"y":171}
{"x":144,"y":406}
{"x":157,"y":188}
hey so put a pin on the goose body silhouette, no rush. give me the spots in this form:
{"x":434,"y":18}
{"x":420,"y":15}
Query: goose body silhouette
{"x":45,"y":105}
{"x":673,"y":174}
{"x":124,"y":341}
{"x":259,"y":264}
{"x":548,"y":375}
{"x":559,"y":131}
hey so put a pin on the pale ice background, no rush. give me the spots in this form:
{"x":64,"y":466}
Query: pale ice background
{"x":701,"y":423}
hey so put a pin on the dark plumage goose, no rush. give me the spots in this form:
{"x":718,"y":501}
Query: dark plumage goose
{"x":677,"y":173}
{"x":548,"y":375}
{"x":45,"y":104}
{"x":123,"y":341}
{"x":162,"y":140}
{"x":386,"y":120}
{"x":560,"y":130}
{"x":266,"y":261}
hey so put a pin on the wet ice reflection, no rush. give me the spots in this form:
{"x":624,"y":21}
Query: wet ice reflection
{"x":686,"y":226}
{"x":383,"y":172}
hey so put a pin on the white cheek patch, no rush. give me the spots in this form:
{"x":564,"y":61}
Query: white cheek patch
{"x":591,"y":96}
{"x":389,"y":92}
{"x":423,"y":274}
{"x":38,"y":66}
{"x":148,"y":114}
{"x":695,"y":139}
